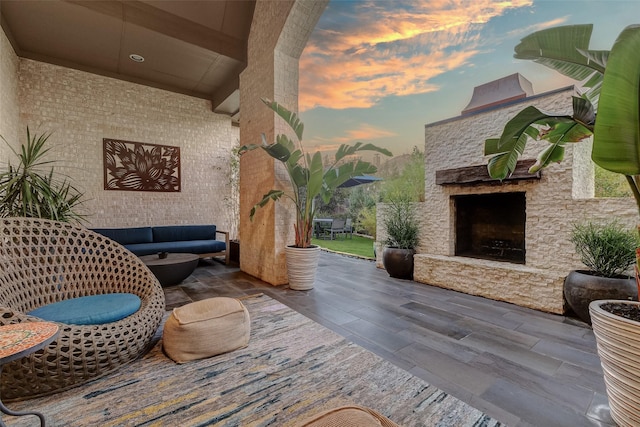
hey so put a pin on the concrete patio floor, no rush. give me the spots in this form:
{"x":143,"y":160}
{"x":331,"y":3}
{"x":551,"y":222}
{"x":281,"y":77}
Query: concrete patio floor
{"x":520,"y":366}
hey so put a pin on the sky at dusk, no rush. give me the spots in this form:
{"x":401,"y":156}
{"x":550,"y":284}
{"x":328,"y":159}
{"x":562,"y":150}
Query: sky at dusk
{"x":379,"y":70}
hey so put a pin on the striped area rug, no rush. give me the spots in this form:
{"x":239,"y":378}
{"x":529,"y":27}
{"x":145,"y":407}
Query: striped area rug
{"x":293,"y":368}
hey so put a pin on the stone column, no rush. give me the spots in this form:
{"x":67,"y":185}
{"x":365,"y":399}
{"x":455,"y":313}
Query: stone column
{"x":279,"y":32}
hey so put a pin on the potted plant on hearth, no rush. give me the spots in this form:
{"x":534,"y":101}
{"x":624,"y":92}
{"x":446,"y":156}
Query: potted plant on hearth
{"x":401,"y":227}
{"x":612,"y":82}
{"x":608,"y":251}
{"x":309,"y":179}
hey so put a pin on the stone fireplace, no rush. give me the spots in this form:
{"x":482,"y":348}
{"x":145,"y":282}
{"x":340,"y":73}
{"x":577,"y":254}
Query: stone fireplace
{"x":507,"y":240}
{"x":490,"y":226}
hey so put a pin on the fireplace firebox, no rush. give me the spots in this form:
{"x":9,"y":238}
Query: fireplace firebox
{"x":491,"y":226}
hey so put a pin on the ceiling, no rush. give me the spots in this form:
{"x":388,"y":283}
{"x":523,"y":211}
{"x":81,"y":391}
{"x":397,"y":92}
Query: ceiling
{"x":197,"y":48}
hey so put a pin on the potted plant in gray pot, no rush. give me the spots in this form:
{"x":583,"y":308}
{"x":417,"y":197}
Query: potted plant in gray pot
{"x":309,"y":179}
{"x":608,"y":251}
{"x":402,"y":230}
{"x":612,"y":80}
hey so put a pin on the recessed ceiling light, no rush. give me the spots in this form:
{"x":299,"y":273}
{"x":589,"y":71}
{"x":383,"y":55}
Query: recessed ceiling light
{"x":136,"y":58}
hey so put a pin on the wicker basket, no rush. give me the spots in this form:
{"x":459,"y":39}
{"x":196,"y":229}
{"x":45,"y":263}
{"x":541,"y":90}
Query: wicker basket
{"x":43,"y":262}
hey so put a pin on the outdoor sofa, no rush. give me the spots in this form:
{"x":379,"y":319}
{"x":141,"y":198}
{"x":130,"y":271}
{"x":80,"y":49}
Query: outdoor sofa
{"x":195,"y":239}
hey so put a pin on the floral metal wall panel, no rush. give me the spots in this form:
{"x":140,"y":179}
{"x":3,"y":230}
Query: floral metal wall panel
{"x":138,"y":166}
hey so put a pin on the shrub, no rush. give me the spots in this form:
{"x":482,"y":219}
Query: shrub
{"x":400,"y":223}
{"x":607,"y":250}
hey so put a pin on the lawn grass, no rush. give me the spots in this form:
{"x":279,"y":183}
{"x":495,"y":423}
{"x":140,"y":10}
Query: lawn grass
{"x":358,"y":245}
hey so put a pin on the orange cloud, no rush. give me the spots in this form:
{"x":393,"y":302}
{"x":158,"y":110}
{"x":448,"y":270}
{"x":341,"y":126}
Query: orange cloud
{"x":392,"y":52}
{"x":364,"y":133}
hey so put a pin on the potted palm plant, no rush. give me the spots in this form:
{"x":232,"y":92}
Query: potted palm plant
{"x":608,"y":252}
{"x":402,"y":231}
{"x":309,"y":179}
{"x":612,"y":80}
{"x":30,"y":188}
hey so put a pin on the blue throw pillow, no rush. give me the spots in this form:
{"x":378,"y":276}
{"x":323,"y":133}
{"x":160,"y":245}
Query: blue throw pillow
{"x":90,"y":310}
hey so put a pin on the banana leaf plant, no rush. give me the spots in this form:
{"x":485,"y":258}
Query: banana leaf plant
{"x":612,"y":80}
{"x":309,"y":177}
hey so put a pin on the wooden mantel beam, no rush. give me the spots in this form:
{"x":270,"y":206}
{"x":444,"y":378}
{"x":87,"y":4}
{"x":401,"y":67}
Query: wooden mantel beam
{"x":479,"y":174}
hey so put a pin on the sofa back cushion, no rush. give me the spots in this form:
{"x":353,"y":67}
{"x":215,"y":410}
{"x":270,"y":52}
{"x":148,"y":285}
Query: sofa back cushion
{"x":176,"y":233}
{"x":127,"y":236}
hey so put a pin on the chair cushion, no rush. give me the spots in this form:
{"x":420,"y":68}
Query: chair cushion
{"x":127,"y":236}
{"x":183,"y":246}
{"x":90,"y":310}
{"x":349,"y":416}
{"x":174,"y":233}
{"x":205,"y":328}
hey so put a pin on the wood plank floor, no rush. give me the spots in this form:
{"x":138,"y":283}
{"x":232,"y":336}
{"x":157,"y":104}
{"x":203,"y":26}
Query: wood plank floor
{"x":520,"y":366}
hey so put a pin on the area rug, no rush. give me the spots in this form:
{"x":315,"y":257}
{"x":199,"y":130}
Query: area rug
{"x":293,"y":368}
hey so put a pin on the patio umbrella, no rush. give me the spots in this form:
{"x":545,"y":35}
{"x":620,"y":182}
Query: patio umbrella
{"x":359,"y":180}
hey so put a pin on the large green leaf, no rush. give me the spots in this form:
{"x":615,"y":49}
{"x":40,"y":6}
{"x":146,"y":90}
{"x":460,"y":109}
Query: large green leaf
{"x":616,"y":144}
{"x":316,"y":172}
{"x":561,"y":49}
{"x":290,"y":117}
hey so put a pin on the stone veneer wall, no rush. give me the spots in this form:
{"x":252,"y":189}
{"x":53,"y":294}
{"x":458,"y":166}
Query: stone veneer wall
{"x":80,"y":109}
{"x":563,"y":195}
{"x":9,"y":106}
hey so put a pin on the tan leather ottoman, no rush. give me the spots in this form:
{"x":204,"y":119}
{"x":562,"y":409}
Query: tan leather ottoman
{"x":206,"y":328}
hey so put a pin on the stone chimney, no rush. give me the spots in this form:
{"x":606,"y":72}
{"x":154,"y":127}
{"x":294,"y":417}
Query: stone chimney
{"x":506,"y":89}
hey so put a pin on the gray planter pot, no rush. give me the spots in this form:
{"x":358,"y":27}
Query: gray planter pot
{"x":398,"y":262}
{"x":582,"y":287}
{"x":618,"y":341}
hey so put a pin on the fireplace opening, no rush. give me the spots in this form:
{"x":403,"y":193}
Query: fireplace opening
{"x":491,"y":226}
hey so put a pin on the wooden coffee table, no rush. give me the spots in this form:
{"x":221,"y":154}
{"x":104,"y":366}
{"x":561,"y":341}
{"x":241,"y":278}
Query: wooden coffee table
{"x":173,"y":269}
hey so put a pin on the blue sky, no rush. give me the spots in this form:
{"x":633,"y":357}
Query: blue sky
{"x":379,"y":70}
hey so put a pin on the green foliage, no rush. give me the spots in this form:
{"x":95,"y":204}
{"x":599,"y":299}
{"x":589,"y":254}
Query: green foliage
{"x":309,"y":179}
{"x":608,"y":250}
{"x":30,"y":189}
{"x":334,"y":205}
{"x":367,"y":220}
{"x":400,"y":223}
{"x":410,"y":181}
{"x":610,"y":184}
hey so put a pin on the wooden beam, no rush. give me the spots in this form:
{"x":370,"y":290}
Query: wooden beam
{"x":479,"y":174}
{"x":151,"y":18}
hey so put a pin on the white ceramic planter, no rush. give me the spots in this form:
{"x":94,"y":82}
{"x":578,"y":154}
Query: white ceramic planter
{"x":618,"y":342}
{"x":302,"y":264}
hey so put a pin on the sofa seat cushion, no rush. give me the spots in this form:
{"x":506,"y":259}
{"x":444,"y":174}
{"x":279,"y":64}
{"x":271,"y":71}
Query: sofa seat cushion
{"x":176,"y":233}
{"x":126,"y":236}
{"x":90,"y":310}
{"x":184,"y":246}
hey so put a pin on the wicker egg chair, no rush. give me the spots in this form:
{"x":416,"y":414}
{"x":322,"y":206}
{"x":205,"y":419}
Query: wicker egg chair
{"x":43,"y":262}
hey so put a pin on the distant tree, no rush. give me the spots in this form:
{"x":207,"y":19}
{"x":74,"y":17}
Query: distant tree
{"x":337,"y":206}
{"x":409,"y":181}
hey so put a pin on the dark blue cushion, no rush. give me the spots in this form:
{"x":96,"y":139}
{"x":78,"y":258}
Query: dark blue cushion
{"x":127,"y":236}
{"x":175,"y":233}
{"x":90,"y":310}
{"x":185,"y":246}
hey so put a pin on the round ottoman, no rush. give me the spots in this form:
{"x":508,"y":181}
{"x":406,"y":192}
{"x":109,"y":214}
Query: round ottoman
{"x":206,"y":328}
{"x":349,"y":416}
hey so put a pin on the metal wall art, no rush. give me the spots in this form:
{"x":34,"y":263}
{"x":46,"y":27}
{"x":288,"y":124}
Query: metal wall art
{"x":137,"y":166}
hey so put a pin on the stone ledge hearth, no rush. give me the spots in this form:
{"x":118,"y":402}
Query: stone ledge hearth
{"x":518,"y":284}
